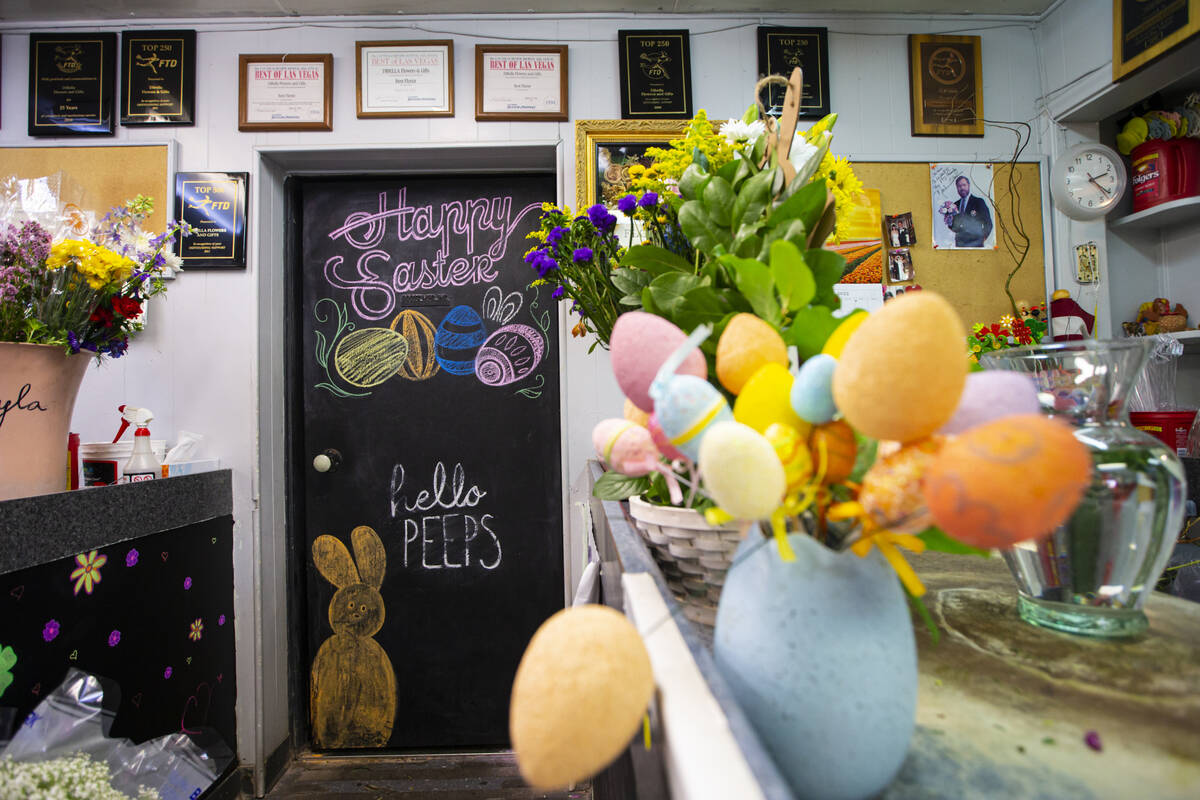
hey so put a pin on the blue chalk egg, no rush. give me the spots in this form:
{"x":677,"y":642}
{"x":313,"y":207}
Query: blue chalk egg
{"x":812,"y":390}
{"x":457,"y":340}
{"x":687,"y":408}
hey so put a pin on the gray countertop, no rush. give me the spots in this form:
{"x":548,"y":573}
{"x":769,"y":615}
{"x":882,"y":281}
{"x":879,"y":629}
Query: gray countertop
{"x":36,"y":530}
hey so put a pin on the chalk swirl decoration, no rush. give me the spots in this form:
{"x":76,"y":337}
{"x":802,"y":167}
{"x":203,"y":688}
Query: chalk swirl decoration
{"x":509,"y":354}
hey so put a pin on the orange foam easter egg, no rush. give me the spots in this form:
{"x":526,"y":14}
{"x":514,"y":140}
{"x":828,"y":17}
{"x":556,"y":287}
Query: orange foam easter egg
{"x":635,"y":414}
{"x":745,"y":345}
{"x":901,"y":373}
{"x":1006,"y":481}
{"x":841,"y":449}
{"x":891,"y":489}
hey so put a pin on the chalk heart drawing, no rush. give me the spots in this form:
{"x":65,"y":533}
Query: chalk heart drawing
{"x":499,"y":308}
{"x":74,"y":655}
{"x":17,"y":591}
{"x":136,"y":700}
{"x":163,"y":555}
{"x":369,"y":356}
{"x":195,"y":710}
{"x":419,"y":332}
{"x":509,"y":354}
{"x":353,"y":686}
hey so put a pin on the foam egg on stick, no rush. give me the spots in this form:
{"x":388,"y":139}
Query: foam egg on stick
{"x":745,"y":345}
{"x":687,"y":406}
{"x":891,"y":489}
{"x":741,"y":470}
{"x":627,"y":448}
{"x":812,"y":390}
{"x":991,"y":395}
{"x":765,"y":400}
{"x":639,"y":344}
{"x":661,"y":441}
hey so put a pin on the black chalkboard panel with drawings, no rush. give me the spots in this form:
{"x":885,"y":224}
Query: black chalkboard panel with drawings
{"x":427,"y":368}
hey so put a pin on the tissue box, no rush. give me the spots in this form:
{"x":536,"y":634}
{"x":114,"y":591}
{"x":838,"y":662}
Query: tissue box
{"x":190,"y":467}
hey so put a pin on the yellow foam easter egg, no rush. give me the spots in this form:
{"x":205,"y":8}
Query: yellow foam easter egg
{"x":579,"y":695}
{"x":902,"y":372}
{"x":635,"y":414}
{"x":1008,"y":480}
{"x":841,"y":334}
{"x":746,"y":344}
{"x":741,"y":471}
{"x":766,"y":399}
{"x":792,"y":450}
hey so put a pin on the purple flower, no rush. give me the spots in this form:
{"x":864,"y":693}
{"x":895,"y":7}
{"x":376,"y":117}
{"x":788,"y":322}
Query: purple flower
{"x":555,"y":236}
{"x":558,"y":293}
{"x":221,"y":620}
{"x":581,"y":254}
{"x":50,"y":631}
{"x":545,"y":265}
{"x":73,"y":341}
{"x":131,"y":558}
{"x":167,"y":673}
{"x":113,"y":638}
{"x":649,"y":200}
{"x":627,"y":204}
{"x":187,"y":583}
{"x":1092,"y":740}
{"x":600,"y":217}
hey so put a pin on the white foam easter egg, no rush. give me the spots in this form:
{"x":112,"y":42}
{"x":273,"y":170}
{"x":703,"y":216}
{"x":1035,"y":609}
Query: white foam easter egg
{"x":812,"y":390}
{"x":989,"y":396}
{"x":639,"y":344}
{"x":741,"y":470}
{"x":688,"y":407}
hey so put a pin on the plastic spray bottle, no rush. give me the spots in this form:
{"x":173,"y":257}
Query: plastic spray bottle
{"x":142,"y":465}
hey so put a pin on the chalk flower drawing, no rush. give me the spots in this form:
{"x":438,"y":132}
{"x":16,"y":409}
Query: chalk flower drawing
{"x":131,"y":558}
{"x":325,"y":347}
{"x":114,"y":638}
{"x":87,"y":574}
{"x":197,"y":630}
{"x":8,"y":658}
{"x":50,"y":630}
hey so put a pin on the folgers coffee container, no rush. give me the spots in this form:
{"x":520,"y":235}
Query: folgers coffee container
{"x":1169,"y":427}
{"x":1164,"y":170}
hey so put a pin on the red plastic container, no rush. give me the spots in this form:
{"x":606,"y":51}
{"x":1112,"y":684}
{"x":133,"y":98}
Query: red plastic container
{"x":1170,"y":427}
{"x":1164,"y":170}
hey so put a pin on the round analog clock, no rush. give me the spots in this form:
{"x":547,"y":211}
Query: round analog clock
{"x":1087,"y":181}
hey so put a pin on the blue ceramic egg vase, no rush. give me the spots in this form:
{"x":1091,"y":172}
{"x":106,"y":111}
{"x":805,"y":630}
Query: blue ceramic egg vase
{"x":821,"y":656}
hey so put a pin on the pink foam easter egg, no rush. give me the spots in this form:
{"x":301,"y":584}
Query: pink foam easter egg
{"x":988,"y":396}
{"x":661,"y":441}
{"x":639,"y":344}
{"x":625,"y":447}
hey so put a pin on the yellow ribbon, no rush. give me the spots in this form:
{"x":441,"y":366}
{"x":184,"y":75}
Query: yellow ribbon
{"x":886,"y":541}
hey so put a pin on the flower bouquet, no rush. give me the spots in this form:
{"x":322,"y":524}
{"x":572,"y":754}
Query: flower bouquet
{"x":1009,"y":331}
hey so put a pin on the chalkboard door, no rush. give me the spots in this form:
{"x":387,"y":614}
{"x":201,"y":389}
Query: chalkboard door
{"x":429,"y":376}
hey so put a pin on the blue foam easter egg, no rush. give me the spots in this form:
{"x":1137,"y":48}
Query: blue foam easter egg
{"x":812,"y":390}
{"x":457,"y":340}
{"x":687,"y":407}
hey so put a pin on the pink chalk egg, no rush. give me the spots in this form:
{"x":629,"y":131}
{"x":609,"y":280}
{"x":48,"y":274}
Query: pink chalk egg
{"x":509,"y":354}
{"x":639,"y":344}
{"x":661,"y":441}
{"x":988,"y":396}
{"x":625,"y":447}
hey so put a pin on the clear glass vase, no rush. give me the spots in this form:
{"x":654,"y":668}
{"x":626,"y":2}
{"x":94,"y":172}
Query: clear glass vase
{"x":1092,"y":574}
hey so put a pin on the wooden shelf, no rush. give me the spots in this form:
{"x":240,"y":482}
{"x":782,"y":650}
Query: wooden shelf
{"x":1175,"y":72}
{"x":1164,"y":215}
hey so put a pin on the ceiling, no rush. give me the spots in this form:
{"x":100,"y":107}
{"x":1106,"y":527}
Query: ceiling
{"x":42,"y":10}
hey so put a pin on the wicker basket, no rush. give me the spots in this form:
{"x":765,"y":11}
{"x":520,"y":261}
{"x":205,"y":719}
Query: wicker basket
{"x":692,"y":555}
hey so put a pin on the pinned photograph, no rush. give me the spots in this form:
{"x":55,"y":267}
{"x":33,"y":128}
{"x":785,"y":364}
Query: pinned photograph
{"x":900,"y":230}
{"x":900,"y":266}
{"x":963,"y":211}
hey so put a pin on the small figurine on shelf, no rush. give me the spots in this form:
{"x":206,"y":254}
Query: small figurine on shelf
{"x":1157,"y":316}
{"x":1068,"y":320}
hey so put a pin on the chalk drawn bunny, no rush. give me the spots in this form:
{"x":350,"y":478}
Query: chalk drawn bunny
{"x":353,"y":688}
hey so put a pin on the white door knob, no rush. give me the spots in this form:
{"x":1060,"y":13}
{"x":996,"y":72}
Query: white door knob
{"x":322,"y":463}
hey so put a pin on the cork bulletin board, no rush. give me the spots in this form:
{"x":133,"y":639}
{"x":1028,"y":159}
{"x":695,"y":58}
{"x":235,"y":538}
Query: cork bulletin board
{"x":973,"y":280}
{"x":108,"y":175}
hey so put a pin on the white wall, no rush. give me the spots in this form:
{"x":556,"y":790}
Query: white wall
{"x":196,"y":366}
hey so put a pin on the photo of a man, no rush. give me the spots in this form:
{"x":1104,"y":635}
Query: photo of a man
{"x":961,"y":200}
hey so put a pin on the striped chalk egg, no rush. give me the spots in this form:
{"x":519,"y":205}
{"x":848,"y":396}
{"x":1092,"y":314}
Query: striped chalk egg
{"x":457,"y":340}
{"x":509,"y":354}
{"x":687,"y":409}
{"x":419,"y":332}
{"x":369,"y":356}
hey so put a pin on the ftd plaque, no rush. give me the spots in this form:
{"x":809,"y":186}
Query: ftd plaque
{"x":780,"y":50}
{"x":158,"y":77}
{"x":71,"y":79}
{"x":214,"y":205}
{"x":656,"y":79}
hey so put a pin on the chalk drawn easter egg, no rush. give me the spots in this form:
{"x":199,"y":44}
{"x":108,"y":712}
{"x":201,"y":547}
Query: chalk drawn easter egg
{"x":369,"y":356}
{"x":509,"y":355}
{"x":419,"y":332}
{"x":457,"y":340}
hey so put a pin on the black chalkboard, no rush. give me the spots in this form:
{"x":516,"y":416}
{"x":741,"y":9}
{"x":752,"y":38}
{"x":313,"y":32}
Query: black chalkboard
{"x":431,"y":366}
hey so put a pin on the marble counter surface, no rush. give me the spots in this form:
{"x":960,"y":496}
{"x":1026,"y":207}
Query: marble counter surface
{"x":36,"y":530}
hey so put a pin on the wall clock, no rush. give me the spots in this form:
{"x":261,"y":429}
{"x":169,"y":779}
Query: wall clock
{"x":1087,"y":181}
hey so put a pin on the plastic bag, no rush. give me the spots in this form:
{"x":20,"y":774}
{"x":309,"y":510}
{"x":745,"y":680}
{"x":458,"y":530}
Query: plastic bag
{"x":1155,"y":389}
{"x":75,"y":718}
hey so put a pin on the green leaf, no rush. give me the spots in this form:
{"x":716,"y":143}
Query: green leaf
{"x":690,"y":181}
{"x":718,"y":200}
{"x":696,"y":225}
{"x":743,"y":170}
{"x":760,"y":148}
{"x":827,"y":270}
{"x":728,"y":171}
{"x":753,"y":279}
{"x":810,"y":330}
{"x":701,"y":305}
{"x":864,"y":456}
{"x":630,"y":281}
{"x":752,"y":198}
{"x":939,"y":541}
{"x":668,"y":290}
{"x":698,"y":157}
{"x":8,"y":659}
{"x":654,"y":259}
{"x":924,"y":614}
{"x":615,"y":486}
{"x":806,"y":205}
{"x":793,"y":278}
{"x":648,"y":303}
{"x":751,"y":115}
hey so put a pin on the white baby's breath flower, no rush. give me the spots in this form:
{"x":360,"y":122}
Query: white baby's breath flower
{"x":737,"y":131}
{"x":801,"y":152}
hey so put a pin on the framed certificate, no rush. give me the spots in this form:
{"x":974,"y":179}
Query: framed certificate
{"x":521,"y":82}
{"x":404,"y":79}
{"x":1145,"y":29}
{"x":945,"y":83}
{"x":71,"y":83}
{"x":286,"y":92}
{"x":158,"y":77}
{"x":656,"y":74}
{"x":214,"y":204}
{"x":780,"y":50}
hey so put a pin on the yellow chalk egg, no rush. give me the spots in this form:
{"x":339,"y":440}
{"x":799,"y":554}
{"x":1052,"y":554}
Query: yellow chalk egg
{"x":369,"y":356}
{"x":792,"y":451}
{"x":841,"y":334}
{"x":902,"y":372}
{"x":1005,"y":481}
{"x":635,"y":414}
{"x":891,"y":489}
{"x":741,"y":471}
{"x":418,"y":331}
{"x":579,"y":695}
{"x":746,"y":344}
{"x":766,"y":399}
